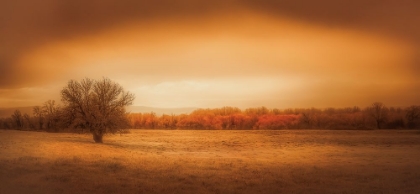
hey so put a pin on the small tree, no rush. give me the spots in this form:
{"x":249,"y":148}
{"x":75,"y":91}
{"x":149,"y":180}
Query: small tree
{"x":98,"y":105}
{"x":39,"y":116}
{"x":28,"y":122}
{"x":378,"y":112}
{"x":52,"y":115}
{"x":18,"y":119}
{"x":412,"y":115}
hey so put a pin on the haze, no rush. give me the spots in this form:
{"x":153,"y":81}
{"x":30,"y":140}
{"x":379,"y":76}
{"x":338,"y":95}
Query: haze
{"x":214,"y":53}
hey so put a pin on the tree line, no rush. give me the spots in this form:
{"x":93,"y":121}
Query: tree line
{"x":376,"y":116}
{"x":94,"y":106}
{"x":98,"y":107}
{"x":51,"y":117}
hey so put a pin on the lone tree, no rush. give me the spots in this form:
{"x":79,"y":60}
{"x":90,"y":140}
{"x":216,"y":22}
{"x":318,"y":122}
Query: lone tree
{"x":97,"y":105}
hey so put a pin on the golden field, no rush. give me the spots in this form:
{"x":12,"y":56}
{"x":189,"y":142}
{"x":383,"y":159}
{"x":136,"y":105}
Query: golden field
{"x":212,"y":161}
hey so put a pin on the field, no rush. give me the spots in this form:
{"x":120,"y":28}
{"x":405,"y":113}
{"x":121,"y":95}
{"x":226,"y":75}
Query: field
{"x":187,"y":161}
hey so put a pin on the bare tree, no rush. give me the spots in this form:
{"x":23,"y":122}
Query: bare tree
{"x":28,"y":122}
{"x":412,"y":115}
{"x":51,"y":114}
{"x":378,"y":111}
{"x":39,"y":116}
{"x":98,"y":105}
{"x":18,"y":119}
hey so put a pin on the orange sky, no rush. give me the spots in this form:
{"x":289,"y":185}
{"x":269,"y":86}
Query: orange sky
{"x":211,"y":54}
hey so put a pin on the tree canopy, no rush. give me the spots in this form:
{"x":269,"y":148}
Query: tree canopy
{"x":98,"y":105}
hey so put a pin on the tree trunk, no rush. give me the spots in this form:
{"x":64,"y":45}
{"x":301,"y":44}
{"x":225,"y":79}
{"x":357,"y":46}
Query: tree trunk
{"x":97,"y":137}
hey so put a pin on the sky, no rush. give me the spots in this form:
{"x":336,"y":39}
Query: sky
{"x":193,"y":53}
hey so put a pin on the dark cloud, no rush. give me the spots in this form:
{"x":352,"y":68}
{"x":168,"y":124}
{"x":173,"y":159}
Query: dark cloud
{"x":28,"y":24}
{"x":381,"y":16}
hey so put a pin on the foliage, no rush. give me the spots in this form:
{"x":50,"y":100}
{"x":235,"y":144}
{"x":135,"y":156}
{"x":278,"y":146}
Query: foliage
{"x":52,"y":118}
{"x":375,"y":116}
{"x":96,"y":105}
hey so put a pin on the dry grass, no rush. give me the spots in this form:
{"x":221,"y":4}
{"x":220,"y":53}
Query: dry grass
{"x":183,"y":161}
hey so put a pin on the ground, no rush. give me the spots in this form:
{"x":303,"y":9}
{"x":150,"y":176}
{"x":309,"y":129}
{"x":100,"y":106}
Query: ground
{"x":187,"y":161}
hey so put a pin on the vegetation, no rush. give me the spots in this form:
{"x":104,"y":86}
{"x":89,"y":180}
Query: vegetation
{"x":203,"y":161}
{"x":71,"y":117}
{"x":98,"y":107}
{"x":95,"y":105}
{"x":376,"y":116}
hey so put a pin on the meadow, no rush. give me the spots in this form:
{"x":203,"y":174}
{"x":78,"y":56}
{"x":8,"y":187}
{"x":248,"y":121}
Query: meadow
{"x":212,"y":161}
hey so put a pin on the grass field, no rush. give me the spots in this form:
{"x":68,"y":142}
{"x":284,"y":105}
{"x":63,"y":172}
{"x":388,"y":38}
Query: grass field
{"x":187,"y":161}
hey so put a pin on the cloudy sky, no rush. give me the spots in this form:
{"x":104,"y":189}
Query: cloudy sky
{"x":194,"y":53}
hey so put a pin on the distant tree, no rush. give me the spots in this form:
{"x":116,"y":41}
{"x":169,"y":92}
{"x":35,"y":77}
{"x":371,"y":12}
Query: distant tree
{"x":310,"y":117}
{"x":98,"y":105}
{"x":136,"y":120}
{"x":39,"y":117}
{"x":257,"y":111}
{"x":277,"y":121}
{"x":378,"y":112}
{"x":151,"y":120}
{"x":276,"y":111}
{"x":18,"y":119}
{"x":28,"y":122}
{"x":52,"y":115}
{"x":166,"y":121}
{"x":6,"y":123}
{"x":412,"y":115}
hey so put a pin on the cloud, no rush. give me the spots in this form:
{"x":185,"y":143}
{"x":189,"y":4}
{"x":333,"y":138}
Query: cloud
{"x":382,"y":16}
{"x":27,"y":25}
{"x":158,"y":41}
